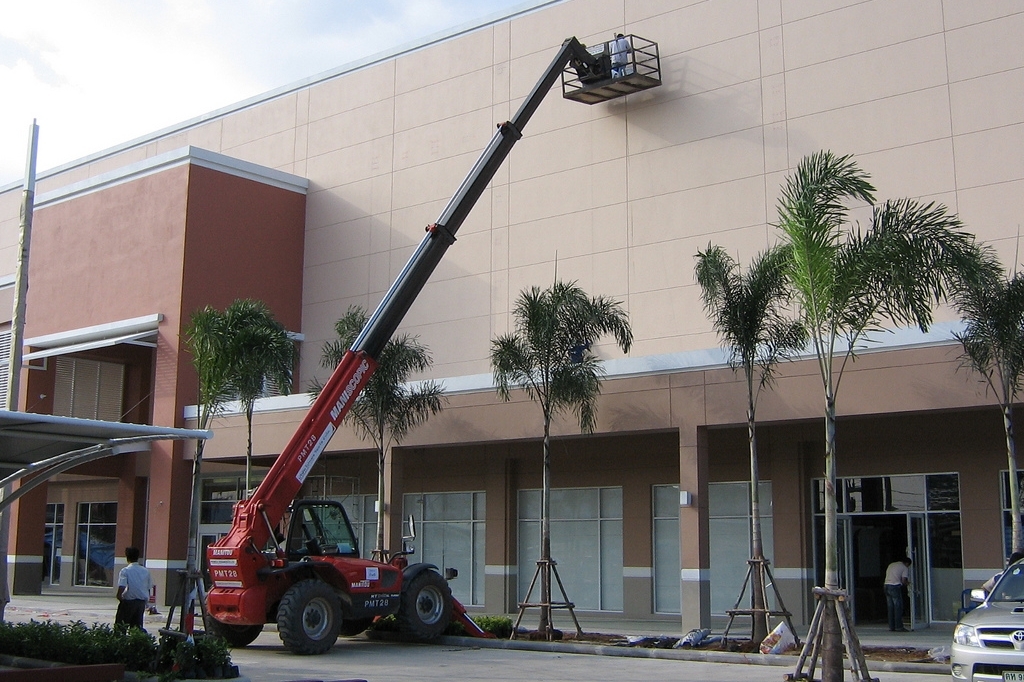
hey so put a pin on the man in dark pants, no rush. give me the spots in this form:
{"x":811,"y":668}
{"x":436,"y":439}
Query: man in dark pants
{"x":897,"y":576}
{"x":133,"y":583}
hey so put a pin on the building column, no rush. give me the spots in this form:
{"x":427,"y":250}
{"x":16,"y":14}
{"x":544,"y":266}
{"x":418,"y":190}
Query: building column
{"x":637,"y":549}
{"x":25,"y":554}
{"x":694,"y":559}
{"x":501,"y":571}
{"x":170,"y":505}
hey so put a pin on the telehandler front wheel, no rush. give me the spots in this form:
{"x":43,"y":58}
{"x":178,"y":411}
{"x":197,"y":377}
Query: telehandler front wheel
{"x":309,"y":617}
{"x":426,"y":607}
{"x":236,"y":636}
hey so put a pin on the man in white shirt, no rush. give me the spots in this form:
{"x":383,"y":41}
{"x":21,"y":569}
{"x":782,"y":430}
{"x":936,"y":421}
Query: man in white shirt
{"x":620,"y":56}
{"x":897,"y":576}
{"x":133,"y":584}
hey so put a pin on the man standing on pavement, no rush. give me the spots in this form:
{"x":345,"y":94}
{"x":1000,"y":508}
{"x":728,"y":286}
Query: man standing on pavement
{"x":897,"y":576}
{"x":133,"y":583}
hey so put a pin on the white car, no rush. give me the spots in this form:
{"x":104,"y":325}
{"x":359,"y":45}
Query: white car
{"x":988,"y":642}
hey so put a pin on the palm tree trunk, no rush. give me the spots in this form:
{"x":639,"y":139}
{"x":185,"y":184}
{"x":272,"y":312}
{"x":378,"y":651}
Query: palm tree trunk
{"x":759,"y":626}
{"x":832,"y":646}
{"x":1017,"y":542}
{"x":248,"y":453}
{"x":545,"y":625}
{"x":379,"y":550}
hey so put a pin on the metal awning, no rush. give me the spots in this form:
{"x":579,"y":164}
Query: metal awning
{"x":45,"y":445}
{"x":137,"y":330}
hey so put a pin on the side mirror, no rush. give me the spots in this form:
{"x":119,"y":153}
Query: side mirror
{"x":978,"y":595}
{"x":406,"y":539}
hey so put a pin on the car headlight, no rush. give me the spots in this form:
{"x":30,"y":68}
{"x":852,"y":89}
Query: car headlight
{"x":966,"y":635}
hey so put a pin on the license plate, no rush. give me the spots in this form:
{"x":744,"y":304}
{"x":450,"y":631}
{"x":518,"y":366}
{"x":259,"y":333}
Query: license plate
{"x":1013,"y":676}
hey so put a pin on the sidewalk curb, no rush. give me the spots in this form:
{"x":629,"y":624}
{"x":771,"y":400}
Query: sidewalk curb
{"x":676,"y":654}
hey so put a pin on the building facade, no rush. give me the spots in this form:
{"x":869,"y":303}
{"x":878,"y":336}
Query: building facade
{"x":313,"y":196}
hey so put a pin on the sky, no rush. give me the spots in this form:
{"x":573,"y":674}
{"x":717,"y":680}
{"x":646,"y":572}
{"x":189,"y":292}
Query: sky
{"x":97,"y":73}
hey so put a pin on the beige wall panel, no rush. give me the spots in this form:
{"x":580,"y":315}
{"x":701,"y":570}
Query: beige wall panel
{"x":104,"y":164}
{"x":569,"y":148}
{"x":919,"y":170}
{"x":769,"y":13}
{"x":647,"y":409}
{"x":957,"y":14}
{"x":772,"y":55}
{"x":570,"y":235}
{"x":336,"y":243}
{"x":447,"y":61}
{"x":336,"y":280}
{"x":274,"y":151}
{"x":993,"y":211}
{"x":352,"y":90}
{"x":431,"y":182}
{"x":990,"y":156}
{"x":702,"y":212}
{"x":864,"y":77}
{"x":985,"y":48}
{"x":795,"y":10}
{"x":610,"y":274}
{"x":638,"y":10}
{"x":987,"y":101}
{"x":545,"y":31}
{"x":696,"y":164}
{"x":699,"y":25}
{"x":446,"y":300}
{"x":452,"y":136}
{"x":773,"y":109}
{"x":341,"y":204}
{"x":600,"y":184}
{"x":459,"y":347}
{"x":663,"y":313}
{"x":872,"y":126}
{"x":709,"y":67}
{"x":860,"y":28}
{"x":351,"y":127}
{"x":269,"y":118}
{"x":710,"y":114}
{"x":460,"y":95}
{"x":205,"y":136}
{"x":352,"y":163}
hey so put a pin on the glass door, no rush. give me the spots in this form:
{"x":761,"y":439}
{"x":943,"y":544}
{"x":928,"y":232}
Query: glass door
{"x":917,"y":550}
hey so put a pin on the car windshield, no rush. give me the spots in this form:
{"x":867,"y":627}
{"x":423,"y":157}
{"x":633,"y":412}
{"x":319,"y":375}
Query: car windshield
{"x":1011,"y":586}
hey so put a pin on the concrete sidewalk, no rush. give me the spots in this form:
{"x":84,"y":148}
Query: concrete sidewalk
{"x":99,"y":607}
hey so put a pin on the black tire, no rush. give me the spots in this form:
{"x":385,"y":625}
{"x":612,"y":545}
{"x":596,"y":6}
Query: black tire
{"x":351,"y":628}
{"x":309,"y":617}
{"x":237,"y":636}
{"x":426,"y":608}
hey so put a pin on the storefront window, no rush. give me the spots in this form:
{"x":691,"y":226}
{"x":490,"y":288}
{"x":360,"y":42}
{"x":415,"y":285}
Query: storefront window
{"x":586,"y":541}
{"x":666,"y":548}
{"x":729,"y":540}
{"x":94,"y":550}
{"x":451,"y":533}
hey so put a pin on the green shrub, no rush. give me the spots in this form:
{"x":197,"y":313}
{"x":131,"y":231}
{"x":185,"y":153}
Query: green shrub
{"x":79,"y":644}
{"x":499,"y":626}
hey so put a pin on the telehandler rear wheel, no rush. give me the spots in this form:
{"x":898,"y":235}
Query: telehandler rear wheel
{"x":426,"y":607}
{"x":309,"y":617}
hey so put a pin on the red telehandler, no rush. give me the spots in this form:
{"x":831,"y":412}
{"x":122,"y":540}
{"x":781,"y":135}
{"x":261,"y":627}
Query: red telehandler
{"x":312,"y":582}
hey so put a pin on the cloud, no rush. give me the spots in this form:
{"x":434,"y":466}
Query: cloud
{"x":97,"y":73}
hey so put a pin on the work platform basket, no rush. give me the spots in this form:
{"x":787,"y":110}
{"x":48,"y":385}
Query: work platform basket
{"x":601,"y":81}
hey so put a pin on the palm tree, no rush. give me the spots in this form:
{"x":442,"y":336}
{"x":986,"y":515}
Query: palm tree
{"x":259,"y":354}
{"x":388,"y":408}
{"x":748,"y":312}
{"x":848,"y":282}
{"x":207,"y":337}
{"x":549,"y":356}
{"x":993,"y":342}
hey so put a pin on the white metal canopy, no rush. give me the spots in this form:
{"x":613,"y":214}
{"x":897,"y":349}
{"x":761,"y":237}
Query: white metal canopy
{"x":45,"y":445}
